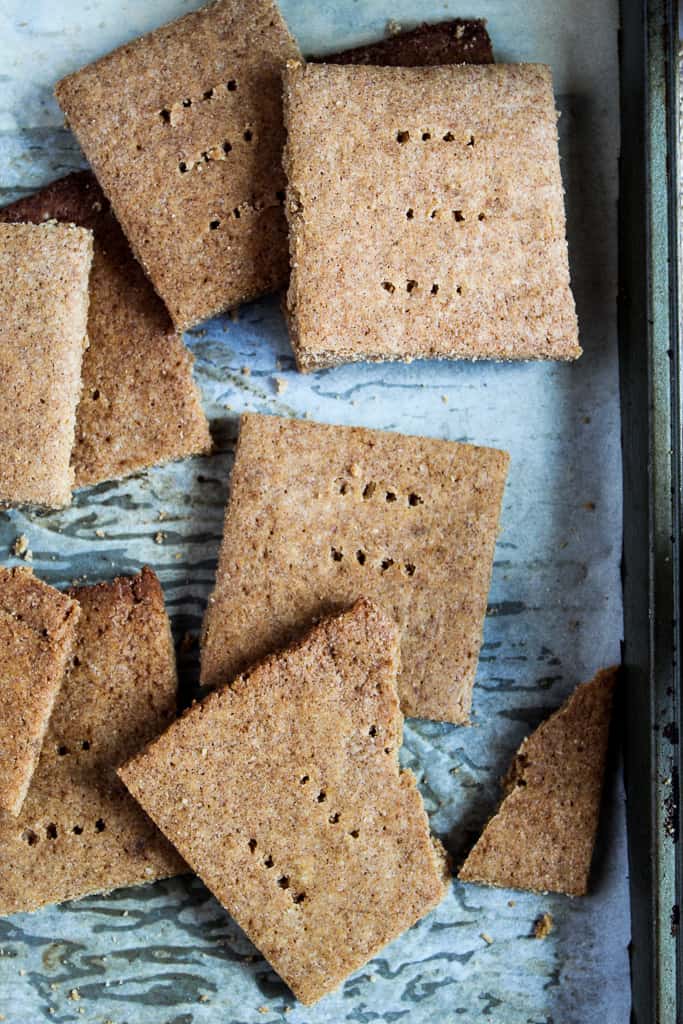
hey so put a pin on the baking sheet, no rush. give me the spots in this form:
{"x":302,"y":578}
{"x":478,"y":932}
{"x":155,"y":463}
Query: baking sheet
{"x":168,"y":953}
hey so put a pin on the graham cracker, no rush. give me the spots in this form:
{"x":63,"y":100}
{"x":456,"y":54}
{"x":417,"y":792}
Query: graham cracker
{"x":183,"y":128}
{"x":79,"y":832}
{"x":543,"y":834}
{"x":321,"y":515}
{"x":140,"y":405}
{"x":426,"y":215}
{"x":283,"y":792}
{"x":458,"y":41}
{"x":43,"y":317}
{"x":37,"y":628}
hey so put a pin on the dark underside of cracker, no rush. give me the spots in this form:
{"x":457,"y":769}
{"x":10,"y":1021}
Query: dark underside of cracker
{"x":460,"y":41}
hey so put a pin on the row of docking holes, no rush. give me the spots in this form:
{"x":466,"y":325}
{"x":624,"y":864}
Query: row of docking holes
{"x":31,"y":837}
{"x":334,"y":818}
{"x":337,"y":555}
{"x":166,"y":113}
{"x":219,"y":152}
{"x":436,"y":214}
{"x":391,"y":497}
{"x":413,"y":286}
{"x":404,"y":136}
{"x":256,"y":207}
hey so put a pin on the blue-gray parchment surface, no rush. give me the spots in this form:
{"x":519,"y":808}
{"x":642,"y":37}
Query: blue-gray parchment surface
{"x":167,"y":952}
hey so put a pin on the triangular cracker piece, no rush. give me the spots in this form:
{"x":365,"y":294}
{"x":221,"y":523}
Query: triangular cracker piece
{"x":283,"y":792}
{"x":543,"y":835}
{"x":79,"y":832}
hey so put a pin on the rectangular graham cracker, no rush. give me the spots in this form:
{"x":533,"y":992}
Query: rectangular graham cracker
{"x":43,"y":322}
{"x":79,"y":832}
{"x":284,"y":793}
{"x":321,"y":515}
{"x":183,"y":128}
{"x":139,"y":405}
{"x":459,"y":41}
{"x":37,"y":629}
{"x":426,"y":215}
{"x":542,"y":836}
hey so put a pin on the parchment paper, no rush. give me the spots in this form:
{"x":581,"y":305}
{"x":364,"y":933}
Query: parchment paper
{"x":168,"y":953}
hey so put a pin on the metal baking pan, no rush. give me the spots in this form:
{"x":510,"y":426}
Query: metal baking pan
{"x":650,"y":364}
{"x":167,"y":953}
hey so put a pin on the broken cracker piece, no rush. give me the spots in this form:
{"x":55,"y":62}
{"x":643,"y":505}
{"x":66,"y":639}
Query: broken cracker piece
{"x":543,"y":834}
{"x":78,"y":831}
{"x":37,"y":630}
{"x":321,"y":515}
{"x":300,"y":820}
{"x":197,"y":186}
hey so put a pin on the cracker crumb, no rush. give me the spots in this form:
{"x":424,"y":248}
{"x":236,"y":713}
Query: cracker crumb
{"x":262,"y":1009}
{"x":159,"y":537}
{"x":246,"y":371}
{"x":394,"y":27}
{"x":487,"y":938}
{"x":20,"y":546}
{"x":22,"y":972}
{"x":99,"y":533}
{"x":543,"y":925}
{"x":444,"y":399}
{"x":74,"y":994}
{"x":234,"y":315}
{"x":511,"y":903}
{"x":203,"y":998}
{"x":280,"y":385}
{"x":161,"y":515}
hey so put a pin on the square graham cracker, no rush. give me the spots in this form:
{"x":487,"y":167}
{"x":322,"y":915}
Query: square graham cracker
{"x":79,"y":832}
{"x":426,"y":215}
{"x":458,"y":41}
{"x":183,"y":128}
{"x":139,"y":405}
{"x":284,"y":793}
{"x":320,"y":515}
{"x":543,"y":834}
{"x":43,"y":322}
{"x":37,"y":629}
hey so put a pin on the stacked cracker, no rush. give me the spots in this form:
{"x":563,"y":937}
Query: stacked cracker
{"x":102,"y":658}
{"x":355,"y":564}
